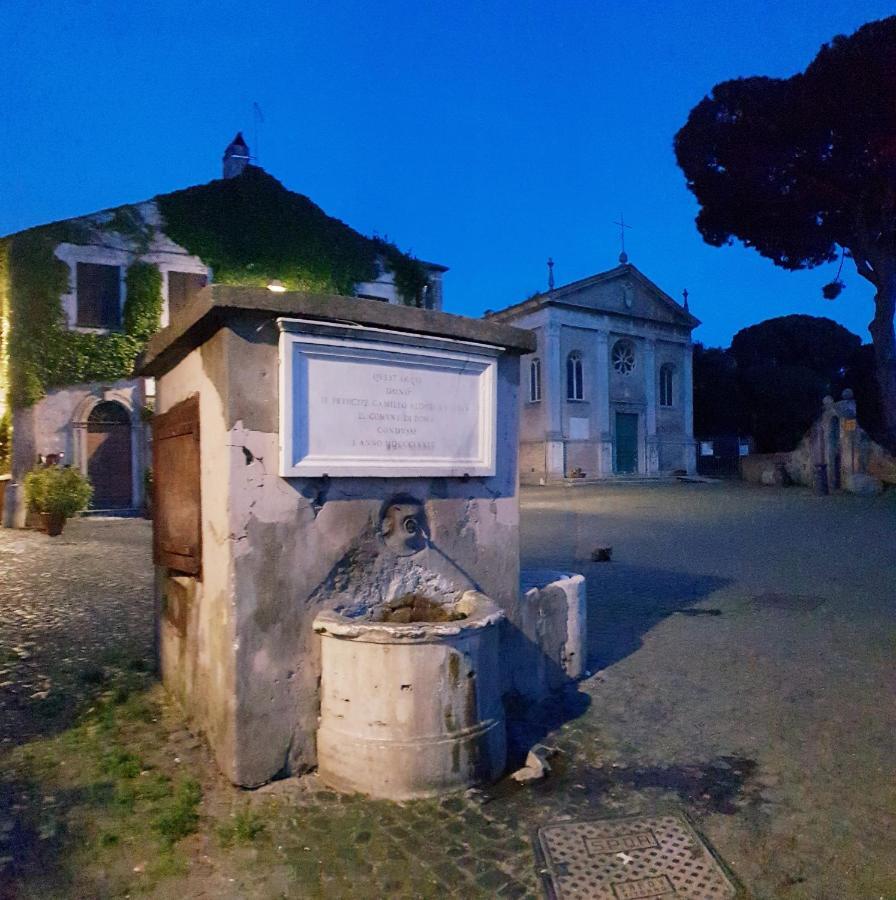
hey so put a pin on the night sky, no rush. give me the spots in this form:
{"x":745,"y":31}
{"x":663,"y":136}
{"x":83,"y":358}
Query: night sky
{"x":482,"y":135}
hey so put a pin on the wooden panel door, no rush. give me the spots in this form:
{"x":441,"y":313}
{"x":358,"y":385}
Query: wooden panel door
{"x":109,"y":464}
{"x":177,"y":498}
{"x":626,"y":443}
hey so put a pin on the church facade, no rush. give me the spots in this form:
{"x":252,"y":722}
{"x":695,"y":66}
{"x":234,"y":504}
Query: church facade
{"x":609,"y":389}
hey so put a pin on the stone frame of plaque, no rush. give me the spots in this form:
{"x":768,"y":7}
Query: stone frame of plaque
{"x":438,"y":419}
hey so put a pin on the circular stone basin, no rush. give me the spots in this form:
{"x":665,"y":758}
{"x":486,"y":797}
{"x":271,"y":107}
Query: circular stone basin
{"x":412,"y":709}
{"x":417,"y":608}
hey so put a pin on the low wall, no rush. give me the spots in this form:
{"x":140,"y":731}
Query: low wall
{"x":854,"y":461}
{"x":764,"y":468}
{"x":881,"y":464}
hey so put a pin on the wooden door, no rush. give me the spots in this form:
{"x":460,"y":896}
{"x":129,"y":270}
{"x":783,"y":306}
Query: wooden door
{"x":626,"y":443}
{"x":109,"y":465}
{"x":177,"y":495}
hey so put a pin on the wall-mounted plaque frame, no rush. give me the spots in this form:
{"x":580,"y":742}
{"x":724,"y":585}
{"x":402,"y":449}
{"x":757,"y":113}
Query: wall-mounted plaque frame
{"x":361,"y":402}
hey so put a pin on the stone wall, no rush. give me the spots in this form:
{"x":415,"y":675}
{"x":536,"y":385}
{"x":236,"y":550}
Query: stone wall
{"x":765,"y":468}
{"x":853,"y":461}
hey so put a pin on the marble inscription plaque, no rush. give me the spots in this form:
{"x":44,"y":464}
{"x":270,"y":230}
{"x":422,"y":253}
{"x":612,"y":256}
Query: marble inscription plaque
{"x":367,"y":407}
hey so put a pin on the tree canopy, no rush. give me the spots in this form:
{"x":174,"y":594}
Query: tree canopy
{"x":817,"y":343}
{"x":804,"y":168}
{"x":770,"y":382}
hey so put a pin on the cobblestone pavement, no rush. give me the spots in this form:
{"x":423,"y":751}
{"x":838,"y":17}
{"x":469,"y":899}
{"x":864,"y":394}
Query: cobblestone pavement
{"x":69,"y":606}
{"x":741,"y":644}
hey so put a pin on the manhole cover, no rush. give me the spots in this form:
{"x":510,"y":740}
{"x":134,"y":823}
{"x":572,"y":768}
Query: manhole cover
{"x":656,"y":857}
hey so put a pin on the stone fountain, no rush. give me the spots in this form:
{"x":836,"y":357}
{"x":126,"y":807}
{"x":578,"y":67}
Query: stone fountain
{"x":336,"y":540}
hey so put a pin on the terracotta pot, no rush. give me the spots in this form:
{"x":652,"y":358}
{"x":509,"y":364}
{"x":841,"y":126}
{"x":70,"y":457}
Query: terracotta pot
{"x":53,"y":523}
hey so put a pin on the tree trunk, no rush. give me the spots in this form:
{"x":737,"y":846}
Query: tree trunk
{"x":884,"y":338}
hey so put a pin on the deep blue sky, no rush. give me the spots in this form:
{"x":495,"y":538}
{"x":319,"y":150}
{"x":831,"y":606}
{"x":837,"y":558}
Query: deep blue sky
{"x":484,"y":135}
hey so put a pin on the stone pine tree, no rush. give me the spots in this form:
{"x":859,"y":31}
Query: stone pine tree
{"x":803,"y":169}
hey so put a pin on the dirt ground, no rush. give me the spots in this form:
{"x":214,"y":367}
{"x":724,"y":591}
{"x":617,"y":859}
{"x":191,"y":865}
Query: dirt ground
{"x":742,"y":655}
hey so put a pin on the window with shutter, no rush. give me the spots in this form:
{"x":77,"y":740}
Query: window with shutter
{"x":98,"y":295}
{"x":177,"y":507}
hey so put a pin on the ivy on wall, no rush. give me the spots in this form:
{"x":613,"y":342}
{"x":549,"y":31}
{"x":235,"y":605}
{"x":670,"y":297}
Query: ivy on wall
{"x":43,"y":353}
{"x":143,"y":300}
{"x":5,"y":443}
{"x":251,"y":229}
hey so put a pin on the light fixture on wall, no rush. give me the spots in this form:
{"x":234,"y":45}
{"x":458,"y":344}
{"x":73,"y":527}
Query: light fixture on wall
{"x":276,"y":286}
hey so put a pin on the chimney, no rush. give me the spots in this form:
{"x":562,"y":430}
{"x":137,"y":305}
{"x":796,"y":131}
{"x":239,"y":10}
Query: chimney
{"x":236,"y":156}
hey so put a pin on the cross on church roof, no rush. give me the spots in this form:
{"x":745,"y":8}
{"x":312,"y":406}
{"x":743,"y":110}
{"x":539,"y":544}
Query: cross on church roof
{"x":623,"y":257}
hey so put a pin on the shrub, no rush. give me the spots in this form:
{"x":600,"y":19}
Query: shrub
{"x":64,"y":491}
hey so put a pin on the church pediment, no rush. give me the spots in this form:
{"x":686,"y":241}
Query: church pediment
{"x":627,"y":292}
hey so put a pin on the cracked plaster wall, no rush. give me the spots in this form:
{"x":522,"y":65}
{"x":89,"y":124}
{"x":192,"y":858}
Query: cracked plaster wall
{"x":196,"y":622}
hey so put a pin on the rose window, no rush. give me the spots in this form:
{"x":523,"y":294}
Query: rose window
{"x":623,"y":357}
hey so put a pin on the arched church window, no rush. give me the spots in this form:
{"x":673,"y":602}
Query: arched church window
{"x":575,"y":383}
{"x":623,"y":357}
{"x":667,"y":380}
{"x":535,"y":380}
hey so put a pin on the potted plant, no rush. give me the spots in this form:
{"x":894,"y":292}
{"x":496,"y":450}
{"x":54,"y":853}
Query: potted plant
{"x":57,"y":493}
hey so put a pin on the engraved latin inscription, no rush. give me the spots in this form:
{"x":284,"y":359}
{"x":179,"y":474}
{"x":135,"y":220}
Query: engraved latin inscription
{"x":362,"y":408}
{"x":377,"y":410}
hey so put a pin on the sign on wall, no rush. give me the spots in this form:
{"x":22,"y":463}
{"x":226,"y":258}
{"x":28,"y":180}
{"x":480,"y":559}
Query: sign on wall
{"x":384,"y":404}
{"x":579,"y":429}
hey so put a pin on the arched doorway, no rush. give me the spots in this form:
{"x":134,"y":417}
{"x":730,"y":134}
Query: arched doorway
{"x":109,"y":465}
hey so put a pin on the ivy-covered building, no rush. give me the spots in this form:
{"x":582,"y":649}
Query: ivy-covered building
{"x":80,"y":298}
